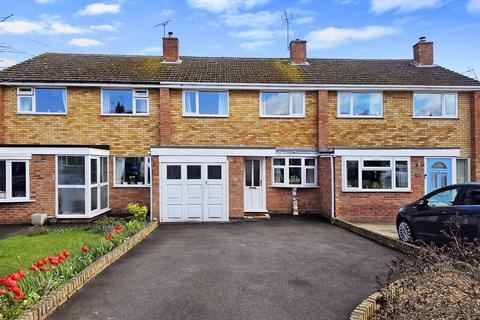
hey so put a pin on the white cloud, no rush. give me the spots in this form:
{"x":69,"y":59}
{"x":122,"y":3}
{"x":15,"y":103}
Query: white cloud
{"x":19,"y":26}
{"x":106,"y":27}
{"x":258,"y":34}
{"x":258,"y":19}
{"x":5,"y":63}
{"x":99,"y":8}
{"x":44,"y":1}
{"x":254,"y":45}
{"x":50,"y":27}
{"x":381,"y":6}
{"x":304,"y":20}
{"x":166,"y":12}
{"x":332,"y":37}
{"x":218,"y":6}
{"x":58,"y":27}
{"x":473,"y":6}
{"x":85,"y":42}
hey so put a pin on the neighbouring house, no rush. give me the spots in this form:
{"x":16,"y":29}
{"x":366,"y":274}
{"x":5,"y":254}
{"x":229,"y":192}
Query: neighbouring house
{"x":208,"y":139}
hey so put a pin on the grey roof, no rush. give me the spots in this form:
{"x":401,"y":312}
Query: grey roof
{"x":60,"y":67}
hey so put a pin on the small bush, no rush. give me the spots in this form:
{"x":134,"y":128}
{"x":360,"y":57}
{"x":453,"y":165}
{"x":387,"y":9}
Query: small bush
{"x":38,"y":230}
{"x":139,"y":212}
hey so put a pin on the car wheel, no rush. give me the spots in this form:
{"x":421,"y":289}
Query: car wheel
{"x":404,"y":231}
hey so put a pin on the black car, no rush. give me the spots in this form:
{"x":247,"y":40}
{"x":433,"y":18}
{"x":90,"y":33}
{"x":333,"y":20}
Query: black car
{"x":438,"y":215}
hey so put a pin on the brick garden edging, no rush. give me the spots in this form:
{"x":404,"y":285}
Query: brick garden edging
{"x":367,"y":308}
{"x":56,"y":298}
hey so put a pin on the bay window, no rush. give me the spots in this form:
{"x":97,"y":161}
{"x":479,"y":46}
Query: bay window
{"x":42,"y":100}
{"x":205,"y":103}
{"x":132,"y":171}
{"x":360,"y":104}
{"x":435,"y":105}
{"x":294,"y":172}
{"x":126,"y":102}
{"x":382,"y":174}
{"x":14,"y":180}
{"x":282,"y":104}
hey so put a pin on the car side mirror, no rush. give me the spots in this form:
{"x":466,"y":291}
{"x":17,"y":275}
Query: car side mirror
{"x":422,"y":203}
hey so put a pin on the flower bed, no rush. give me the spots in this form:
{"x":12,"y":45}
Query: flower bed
{"x":20,"y":290}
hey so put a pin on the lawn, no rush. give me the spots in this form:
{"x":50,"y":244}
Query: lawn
{"x":18,"y":252}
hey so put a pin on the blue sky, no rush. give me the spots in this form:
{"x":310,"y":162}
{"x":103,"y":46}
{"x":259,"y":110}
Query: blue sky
{"x":333,"y":28}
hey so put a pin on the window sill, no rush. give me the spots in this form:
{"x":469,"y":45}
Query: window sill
{"x":124,"y":115}
{"x":376,"y":191}
{"x":17,"y":201}
{"x":82,"y":216}
{"x":205,"y":116}
{"x":439,"y":118}
{"x":300,"y":186}
{"x":361,"y":117}
{"x":131,"y":186}
{"x":42,"y":113}
{"x":283,"y":117}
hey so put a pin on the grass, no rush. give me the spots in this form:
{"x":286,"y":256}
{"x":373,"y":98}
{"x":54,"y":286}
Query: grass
{"x":18,"y":252}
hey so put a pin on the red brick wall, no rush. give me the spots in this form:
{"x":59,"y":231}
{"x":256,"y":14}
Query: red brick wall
{"x":170,"y":49}
{"x":42,"y":193}
{"x":376,"y":206}
{"x":475,"y":118}
{"x":235,"y":186}
{"x":2,"y":117}
{"x":325,"y":187}
{"x":298,"y":51}
{"x":423,"y":53}
{"x":165,"y":123}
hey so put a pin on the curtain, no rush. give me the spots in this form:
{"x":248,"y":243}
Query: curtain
{"x":120,"y":170}
{"x":222,"y":103}
{"x":190,"y":102}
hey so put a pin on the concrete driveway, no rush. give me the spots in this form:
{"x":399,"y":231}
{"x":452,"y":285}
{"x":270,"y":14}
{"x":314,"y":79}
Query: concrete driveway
{"x":285,"y":268}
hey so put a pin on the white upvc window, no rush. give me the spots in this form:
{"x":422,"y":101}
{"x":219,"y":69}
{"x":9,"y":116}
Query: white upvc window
{"x":435,"y":105}
{"x":14,"y":180}
{"x":205,"y":103}
{"x":132,"y":171}
{"x":294,"y":172}
{"x":376,"y":174}
{"x":360,"y":104}
{"x":125,"y":102}
{"x":52,"y":101}
{"x":463,"y":170}
{"x":282,"y":104}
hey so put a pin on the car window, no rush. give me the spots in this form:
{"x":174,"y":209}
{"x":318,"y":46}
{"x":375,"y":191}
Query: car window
{"x":443,"y":199}
{"x":471,"y":197}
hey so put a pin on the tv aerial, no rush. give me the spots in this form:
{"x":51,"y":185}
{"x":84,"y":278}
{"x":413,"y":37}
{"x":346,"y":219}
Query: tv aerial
{"x":164,"y":25}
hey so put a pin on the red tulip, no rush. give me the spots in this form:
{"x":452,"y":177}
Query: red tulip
{"x":84,"y":249}
{"x":2,"y":280}
{"x":15,"y":276}
{"x":43,"y":268}
{"x":16,"y":290}
{"x":118,"y":227}
{"x":108,"y":236}
{"x":10,"y":283}
{"x":33,"y":267}
{"x":2,"y":292}
{"x":22,"y":273}
{"x":40,"y":263}
{"x":20,"y":295}
{"x":66,"y":253}
{"x":61,"y":257}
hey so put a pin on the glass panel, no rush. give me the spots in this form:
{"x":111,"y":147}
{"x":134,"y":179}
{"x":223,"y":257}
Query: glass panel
{"x":295,"y":162}
{"x":310,"y":173}
{"x":344,"y":103}
{"x":71,"y":170}
{"x":439,"y":165}
{"x":104,"y":169}
{"x":367,"y":104}
{"x":450,"y":104}
{"x":130,"y":170}
{"x":214,"y":103}
{"x":50,"y":100}
{"x":117,"y":101}
{"x":401,"y":174}
{"x":26,"y":104}
{"x":295,"y":175}
{"x":174,"y":172}
{"x":279,"y":175}
{"x":376,"y":163}
{"x":433,"y":180}
{"x":276,"y":103}
{"x":71,"y":201}
{"x":94,"y":198}
{"x":103,"y":197}
{"x":194,"y":172}
{"x":310,"y":162}
{"x":297,"y":103}
{"x":93,"y":171}
{"x":190,"y":102}
{"x":472,"y":197}
{"x":215,"y":172}
{"x":427,"y":104}
{"x":141,"y":105}
{"x":462,"y":170}
{"x":443,"y":199}
{"x":3,"y":180}
{"x":19,"y":180}
{"x":279,"y":162}
{"x":443,"y":179}
{"x":352,"y":174}
{"x":378,"y":179}
{"x":256,"y":173}
{"x":248,"y":173}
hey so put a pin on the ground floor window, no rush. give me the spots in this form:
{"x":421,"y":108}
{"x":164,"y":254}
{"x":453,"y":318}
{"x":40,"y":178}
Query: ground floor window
{"x":132,"y":171}
{"x":14,"y":182}
{"x":294,"y":172}
{"x":376,"y":174}
{"x":463,"y":170}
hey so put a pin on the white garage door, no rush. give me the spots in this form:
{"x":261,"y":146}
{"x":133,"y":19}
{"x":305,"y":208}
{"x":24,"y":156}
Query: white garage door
{"x":193,"y":192}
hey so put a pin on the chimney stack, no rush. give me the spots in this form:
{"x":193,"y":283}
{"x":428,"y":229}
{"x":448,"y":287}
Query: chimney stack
{"x":423,"y":52}
{"x":170,"y":49}
{"x":298,"y":52}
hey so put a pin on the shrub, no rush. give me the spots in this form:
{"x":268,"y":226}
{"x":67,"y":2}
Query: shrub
{"x":139,"y":212}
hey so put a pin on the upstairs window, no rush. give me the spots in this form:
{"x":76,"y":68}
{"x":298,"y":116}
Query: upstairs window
{"x":205,"y":103}
{"x":42,"y":100}
{"x":435,"y":105}
{"x":282,"y":104}
{"x":360,"y":104}
{"x":14,"y":185}
{"x":126,"y":102}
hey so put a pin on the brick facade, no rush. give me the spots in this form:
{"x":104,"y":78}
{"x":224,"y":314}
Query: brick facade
{"x":165,"y":124}
{"x":235,"y":186}
{"x":298,"y":51}
{"x":423,"y":53}
{"x":2,"y":116}
{"x":475,"y":134}
{"x":325,"y":187}
{"x":322,"y":109}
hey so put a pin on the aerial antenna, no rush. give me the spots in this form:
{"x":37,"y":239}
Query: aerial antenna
{"x":164,"y":25}
{"x":5,"y":18}
{"x":472,"y":72}
{"x":285,"y":18}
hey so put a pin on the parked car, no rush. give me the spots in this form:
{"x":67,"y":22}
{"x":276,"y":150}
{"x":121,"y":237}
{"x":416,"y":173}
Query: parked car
{"x":452,"y":210}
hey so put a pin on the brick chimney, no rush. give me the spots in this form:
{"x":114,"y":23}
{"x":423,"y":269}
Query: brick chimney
{"x":170,"y":49}
{"x":298,"y":52}
{"x":423,"y":52}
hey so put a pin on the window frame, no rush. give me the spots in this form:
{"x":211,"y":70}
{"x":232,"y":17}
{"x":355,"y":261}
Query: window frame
{"x":351,"y":115}
{"x":197,"y":101}
{"x":443,"y":116}
{"x":134,"y":98}
{"x":469,"y":168}
{"x":147,"y":165}
{"x":290,"y":107}
{"x":34,"y":102}
{"x":286,"y":172}
{"x":361,"y":168}
{"x":8,"y":181}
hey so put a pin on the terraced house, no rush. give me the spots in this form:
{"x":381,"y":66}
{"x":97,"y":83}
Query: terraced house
{"x":208,"y":139}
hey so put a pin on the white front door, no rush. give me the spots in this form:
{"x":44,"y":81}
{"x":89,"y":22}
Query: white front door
{"x":254,"y":193}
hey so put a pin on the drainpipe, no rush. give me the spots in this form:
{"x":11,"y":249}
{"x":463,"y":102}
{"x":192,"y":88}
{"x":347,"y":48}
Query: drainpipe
{"x":151,"y":187}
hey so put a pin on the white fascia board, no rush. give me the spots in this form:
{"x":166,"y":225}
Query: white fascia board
{"x":192,"y":159}
{"x":80,"y":84}
{"x":398,"y":152}
{"x":53,"y":151}
{"x":228,"y":152}
{"x":15,"y":156}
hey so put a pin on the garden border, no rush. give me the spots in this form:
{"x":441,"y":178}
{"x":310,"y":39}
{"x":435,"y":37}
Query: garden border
{"x":57,"y":297}
{"x":367,"y":308}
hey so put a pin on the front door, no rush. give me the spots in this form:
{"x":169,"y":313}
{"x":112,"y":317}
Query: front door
{"x":254,"y":192}
{"x":439,"y":173}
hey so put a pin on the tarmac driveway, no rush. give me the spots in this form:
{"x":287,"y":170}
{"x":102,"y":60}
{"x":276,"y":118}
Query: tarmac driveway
{"x":285,"y":268}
